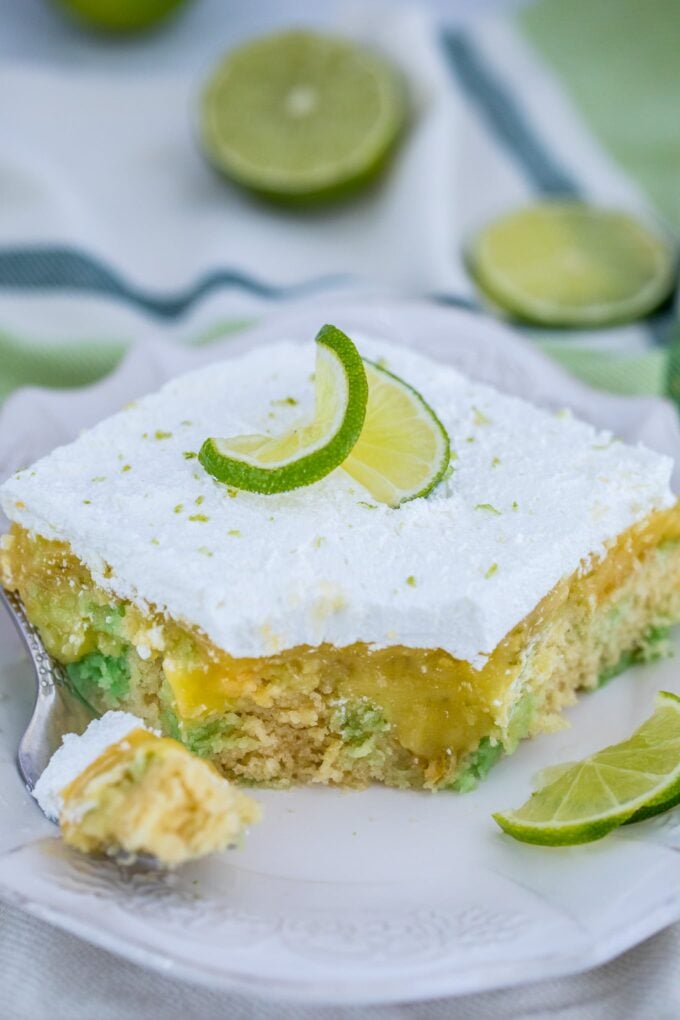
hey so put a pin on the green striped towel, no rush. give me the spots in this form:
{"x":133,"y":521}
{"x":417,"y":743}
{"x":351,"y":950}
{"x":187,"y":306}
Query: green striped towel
{"x":115,"y":230}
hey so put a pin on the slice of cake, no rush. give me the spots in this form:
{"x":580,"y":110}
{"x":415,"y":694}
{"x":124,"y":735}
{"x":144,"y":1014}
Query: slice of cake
{"x":317,"y":635}
{"x":122,"y":789}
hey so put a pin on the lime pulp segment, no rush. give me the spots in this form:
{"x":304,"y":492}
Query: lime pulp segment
{"x":572,"y":264}
{"x":626,"y":782}
{"x":403,"y":450}
{"x":302,"y":117}
{"x":309,"y":452}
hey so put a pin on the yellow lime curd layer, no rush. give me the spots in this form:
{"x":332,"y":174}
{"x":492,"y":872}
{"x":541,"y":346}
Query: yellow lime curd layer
{"x":435,"y":704}
{"x":114,"y":757}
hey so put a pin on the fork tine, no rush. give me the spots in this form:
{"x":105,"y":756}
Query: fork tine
{"x":56,"y":711}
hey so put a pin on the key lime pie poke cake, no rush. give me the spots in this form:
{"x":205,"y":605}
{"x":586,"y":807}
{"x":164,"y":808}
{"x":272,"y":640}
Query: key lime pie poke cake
{"x":122,"y":789}
{"x":311,"y":565}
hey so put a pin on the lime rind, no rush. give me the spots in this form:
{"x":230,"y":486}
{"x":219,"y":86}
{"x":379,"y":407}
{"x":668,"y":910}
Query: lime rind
{"x":341,"y":374}
{"x":653,"y":743}
{"x":666,"y":802}
{"x":375,"y":479}
{"x":503,"y":287}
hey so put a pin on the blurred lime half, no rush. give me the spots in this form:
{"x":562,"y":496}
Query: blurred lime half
{"x":121,"y":15}
{"x":571,"y":264}
{"x":301,"y":117}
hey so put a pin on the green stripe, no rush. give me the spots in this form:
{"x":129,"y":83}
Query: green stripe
{"x":505,"y":117}
{"x":64,"y":365}
{"x":63,"y":269}
{"x":628,"y":375}
{"x":59,"y":365}
{"x":620,"y":62}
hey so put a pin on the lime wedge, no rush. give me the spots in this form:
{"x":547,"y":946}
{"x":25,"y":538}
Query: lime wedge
{"x":403,"y":450}
{"x":571,"y":264}
{"x":625,"y":782}
{"x":300,"y":117}
{"x":309,"y":452}
{"x":121,"y":15}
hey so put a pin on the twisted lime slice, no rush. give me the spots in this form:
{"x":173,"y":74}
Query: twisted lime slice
{"x":403,"y":450}
{"x":572,"y":264}
{"x":309,"y":452}
{"x":300,"y":117}
{"x":626,"y":782}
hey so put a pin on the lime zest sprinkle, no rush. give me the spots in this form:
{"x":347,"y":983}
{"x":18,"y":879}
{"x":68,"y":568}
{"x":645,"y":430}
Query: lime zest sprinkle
{"x":411,"y":581}
{"x":369,"y":506}
{"x":186,"y":421}
{"x":491,"y":571}
{"x":178,"y":509}
{"x":495,"y":462}
{"x":470,"y":439}
{"x":234,"y":531}
{"x":98,"y":478}
{"x":87,"y":502}
{"x":515,"y":505}
{"x":479,"y":418}
{"x":201,"y":518}
{"x":189,"y":454}
{"x":154,"y":541}
{"x":489,"y":508}
{"x":160,"y":434}
{"x":199,"y":500}
{"x":205,"y":551}
{"x":126,"y":467}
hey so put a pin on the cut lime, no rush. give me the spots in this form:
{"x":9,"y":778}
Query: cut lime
{"x":625,"y":782}
{"x":302,"y":117}
{"x":121,"y":15}
{"x":571,"y":264}
{"x":403,"y":450}
{"x":309,"y":452}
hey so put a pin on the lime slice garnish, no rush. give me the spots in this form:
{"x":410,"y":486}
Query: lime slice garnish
{"x":403,"y":450}
{"x":625,"y":782}
{"x":302,"y":117}
{"x":571,"y":264}
{"x":121,"y":15}
{"x":310,"y":451}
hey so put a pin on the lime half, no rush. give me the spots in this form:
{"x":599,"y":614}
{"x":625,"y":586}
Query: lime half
{"x":571,"y":264}
{"x":309,"y":452}
{"x":301,"y":117}
{"x":625,"y":782}
{"x":403,"y":450}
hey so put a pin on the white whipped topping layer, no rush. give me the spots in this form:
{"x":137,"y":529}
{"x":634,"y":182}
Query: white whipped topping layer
{"x":76,"y":753}
{"x":531,"y":496}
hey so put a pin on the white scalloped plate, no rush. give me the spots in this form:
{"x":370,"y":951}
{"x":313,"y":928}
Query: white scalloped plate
{"x":380,"y":895}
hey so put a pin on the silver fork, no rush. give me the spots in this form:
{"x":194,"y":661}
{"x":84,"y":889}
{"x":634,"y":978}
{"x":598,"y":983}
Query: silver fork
{"x":57,"y":709}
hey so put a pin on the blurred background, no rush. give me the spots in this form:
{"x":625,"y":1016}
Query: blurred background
{"x":124,"y":215}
